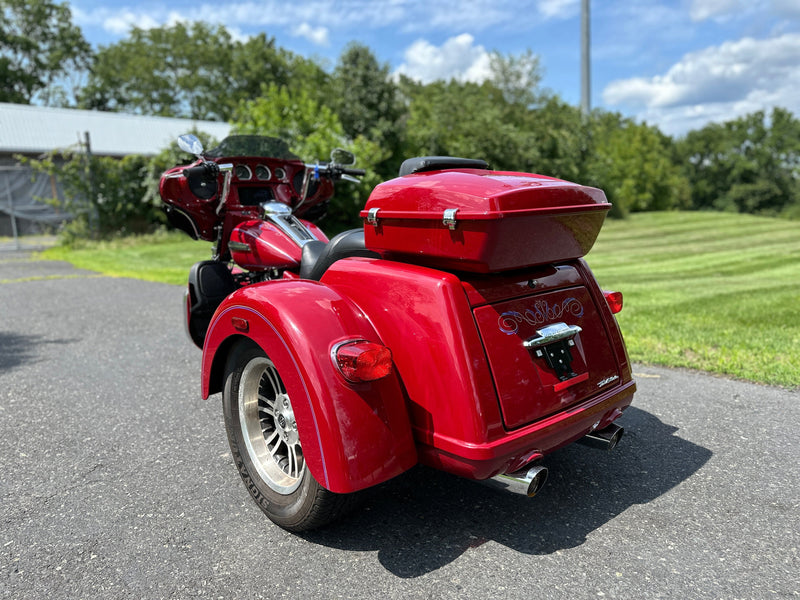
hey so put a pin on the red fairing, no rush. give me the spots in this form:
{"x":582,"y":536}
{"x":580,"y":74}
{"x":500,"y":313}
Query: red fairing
{"x":482,"y":221}
{"x":468,"y":414}
{"x":200,"y":213}
{"x":200,"y":217}
{"x":353,"y":435}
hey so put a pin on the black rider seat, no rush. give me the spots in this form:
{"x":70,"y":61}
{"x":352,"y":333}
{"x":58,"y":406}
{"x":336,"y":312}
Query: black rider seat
{"x":318,"y":256}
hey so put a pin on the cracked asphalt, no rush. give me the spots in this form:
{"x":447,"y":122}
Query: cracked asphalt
{"x":117,"y":482}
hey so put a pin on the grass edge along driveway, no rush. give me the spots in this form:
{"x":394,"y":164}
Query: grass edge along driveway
{"x":712,"y":291}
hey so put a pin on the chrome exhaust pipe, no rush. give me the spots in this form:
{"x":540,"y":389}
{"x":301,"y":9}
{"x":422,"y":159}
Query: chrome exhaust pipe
{"x":605,"y":439}
{"x":527,"y":483}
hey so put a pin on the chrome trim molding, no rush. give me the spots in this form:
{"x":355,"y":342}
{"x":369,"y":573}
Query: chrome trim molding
{"x":552,"y":333}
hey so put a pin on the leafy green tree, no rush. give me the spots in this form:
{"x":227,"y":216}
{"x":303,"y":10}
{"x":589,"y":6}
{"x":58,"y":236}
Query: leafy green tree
{"x":312,"y":131}
{"x":557,"y":140}
{"x":104,"y":195}
{"x":633,"y":164}
{"x":39,"y":46}
{"x":749,"y":164}
{"x":184,"y":70}
{"x":366,"y":100}
{"x":518,"y":77}
{"x":461,"y":119}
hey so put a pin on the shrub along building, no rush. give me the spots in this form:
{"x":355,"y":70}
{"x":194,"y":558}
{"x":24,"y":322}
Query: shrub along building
{"x":26,"y":196}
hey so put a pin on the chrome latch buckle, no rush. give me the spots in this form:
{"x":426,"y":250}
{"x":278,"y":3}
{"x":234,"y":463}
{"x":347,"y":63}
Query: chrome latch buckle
{"x":449,"y":218}
{"x":372,"y":216}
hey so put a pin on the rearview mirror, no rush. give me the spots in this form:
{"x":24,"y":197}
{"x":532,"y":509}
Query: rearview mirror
{"x":189,"y":143}
{"x":340,"y":156}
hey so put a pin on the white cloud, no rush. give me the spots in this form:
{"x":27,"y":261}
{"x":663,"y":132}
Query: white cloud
{"x":315,"y":35}
{"x":558,"y":9}
{"x":458,"y":58}
{"x":716,"y":83}
{"x":122,"y":22}
{"x":700,"y":10}
{"x":727,"y":10}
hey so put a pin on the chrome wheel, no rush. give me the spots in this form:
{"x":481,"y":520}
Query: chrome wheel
{"x":268,"y":426}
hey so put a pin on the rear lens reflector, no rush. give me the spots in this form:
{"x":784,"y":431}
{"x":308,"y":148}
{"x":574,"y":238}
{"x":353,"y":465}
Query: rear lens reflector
{"x":614,"y":300}
{"x":362,"y":361}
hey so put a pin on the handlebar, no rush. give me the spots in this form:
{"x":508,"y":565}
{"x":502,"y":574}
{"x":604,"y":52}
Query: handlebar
{"x":333,"y":170}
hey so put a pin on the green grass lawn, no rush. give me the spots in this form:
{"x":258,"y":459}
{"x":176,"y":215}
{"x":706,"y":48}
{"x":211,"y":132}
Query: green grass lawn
{"x":160,"y":257}
{"x":713,"y":291}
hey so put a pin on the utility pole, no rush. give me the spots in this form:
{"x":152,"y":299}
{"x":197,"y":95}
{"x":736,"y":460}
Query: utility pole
{"x":586,"y":94}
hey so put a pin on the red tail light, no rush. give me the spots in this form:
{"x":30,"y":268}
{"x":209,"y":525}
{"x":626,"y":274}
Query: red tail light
{"x":614,"y":300}
{"x":362,"y":361}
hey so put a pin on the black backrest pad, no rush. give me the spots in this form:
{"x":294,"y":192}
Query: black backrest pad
{"x":421,"y":164}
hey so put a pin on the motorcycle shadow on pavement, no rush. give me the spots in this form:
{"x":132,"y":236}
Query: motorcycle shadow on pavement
{"x":17,"y":350}
{"x":425,"y":519}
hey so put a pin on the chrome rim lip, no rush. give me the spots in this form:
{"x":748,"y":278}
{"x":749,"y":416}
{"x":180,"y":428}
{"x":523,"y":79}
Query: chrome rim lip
{"x":268,"y":427}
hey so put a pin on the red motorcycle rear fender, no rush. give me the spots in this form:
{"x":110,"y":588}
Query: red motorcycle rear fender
{"x":353,"y":435}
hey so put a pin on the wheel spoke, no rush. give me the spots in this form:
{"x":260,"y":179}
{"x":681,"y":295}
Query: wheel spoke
{"x":268,"y":401}
{"x":294,"y":460}
{"x":270,"y":439}
{"x":272,"y":376}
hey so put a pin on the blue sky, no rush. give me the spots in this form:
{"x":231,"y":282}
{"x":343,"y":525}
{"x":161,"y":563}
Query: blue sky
{"x":676,"y":64}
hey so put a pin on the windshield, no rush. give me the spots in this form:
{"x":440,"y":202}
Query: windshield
{"x":252,"y":145}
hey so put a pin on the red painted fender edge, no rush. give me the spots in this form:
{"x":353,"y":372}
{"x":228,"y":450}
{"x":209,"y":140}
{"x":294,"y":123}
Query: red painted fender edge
{"x":353,"y":435}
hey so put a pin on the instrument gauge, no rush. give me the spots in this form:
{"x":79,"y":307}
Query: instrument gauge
{"x":243,"y":173}
{"x":263,"y":173}
{"x":280,"y":174}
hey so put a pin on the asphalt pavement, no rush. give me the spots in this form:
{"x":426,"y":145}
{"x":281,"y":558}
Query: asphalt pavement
{"x":116,"y":481}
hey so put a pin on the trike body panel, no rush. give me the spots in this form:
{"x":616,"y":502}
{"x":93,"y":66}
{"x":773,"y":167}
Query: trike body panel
{"x":456,"y":379}
{"x":353,"y":435}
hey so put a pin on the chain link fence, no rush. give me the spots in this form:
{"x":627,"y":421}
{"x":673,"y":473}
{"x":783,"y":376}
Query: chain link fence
{"x":30,"y":208}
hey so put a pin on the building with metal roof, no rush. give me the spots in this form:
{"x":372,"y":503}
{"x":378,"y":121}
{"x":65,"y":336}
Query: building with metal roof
{"x":35,"y":130}
{"x":32,"y":130}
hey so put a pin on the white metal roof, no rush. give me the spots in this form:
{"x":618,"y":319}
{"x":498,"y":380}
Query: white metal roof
{"x":36,"y":129}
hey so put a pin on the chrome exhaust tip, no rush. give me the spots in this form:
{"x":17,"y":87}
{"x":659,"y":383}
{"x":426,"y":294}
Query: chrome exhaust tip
{"x":526,"y":483}
{"x":605,"y":439}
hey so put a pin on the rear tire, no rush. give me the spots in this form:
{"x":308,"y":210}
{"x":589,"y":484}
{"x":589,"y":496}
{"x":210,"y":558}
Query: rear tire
{"x":265,"y":444}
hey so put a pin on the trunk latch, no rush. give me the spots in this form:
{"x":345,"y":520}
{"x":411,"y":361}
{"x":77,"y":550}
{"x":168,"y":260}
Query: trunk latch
{"x":372,"y":216}
{"x":449,"y":218}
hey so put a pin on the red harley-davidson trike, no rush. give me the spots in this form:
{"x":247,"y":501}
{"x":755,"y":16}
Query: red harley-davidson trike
{"x":459,"y":328}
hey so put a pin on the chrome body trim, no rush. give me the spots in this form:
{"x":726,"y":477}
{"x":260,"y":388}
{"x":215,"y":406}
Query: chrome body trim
{"x":372,"y":216}
{"x":449,"y":218}
{"x":281,"y":216}
{"x":552,"y":333}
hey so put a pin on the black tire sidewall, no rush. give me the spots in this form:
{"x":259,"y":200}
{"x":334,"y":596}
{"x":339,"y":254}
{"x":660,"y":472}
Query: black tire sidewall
{"x":287,"y":510}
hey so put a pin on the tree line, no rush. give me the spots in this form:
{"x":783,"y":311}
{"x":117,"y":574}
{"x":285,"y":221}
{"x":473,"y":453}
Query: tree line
{"x":195,"y":70}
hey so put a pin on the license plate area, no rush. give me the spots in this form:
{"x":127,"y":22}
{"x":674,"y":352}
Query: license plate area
{"x":559,"y":358}
{"x":554,"y":344}
{"x":546,"y":351}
